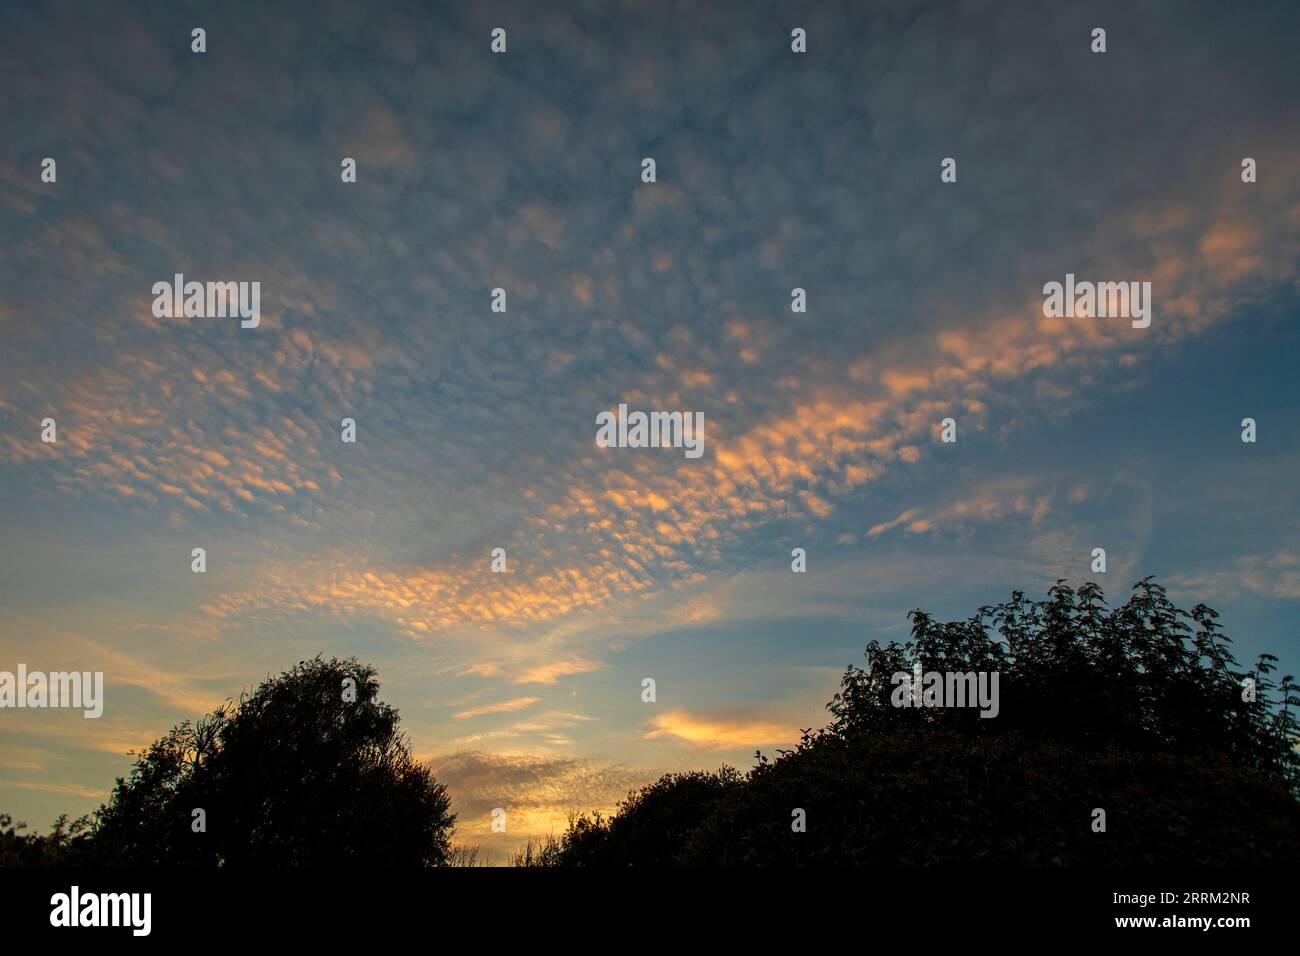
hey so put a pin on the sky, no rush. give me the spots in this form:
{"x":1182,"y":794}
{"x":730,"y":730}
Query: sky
{"x":476,"y":429}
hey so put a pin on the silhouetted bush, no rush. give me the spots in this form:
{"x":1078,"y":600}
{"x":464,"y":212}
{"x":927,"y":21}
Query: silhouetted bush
{"x":1138,"y":710}
{"x":923,"y":796}
{"x":62,"y":846}
{"x":649,"y":827}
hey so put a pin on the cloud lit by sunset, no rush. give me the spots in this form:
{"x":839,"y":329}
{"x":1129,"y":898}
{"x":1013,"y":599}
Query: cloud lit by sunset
{"x":475,"y":429}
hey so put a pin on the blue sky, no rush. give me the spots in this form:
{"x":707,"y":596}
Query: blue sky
{"x":476,"y":430}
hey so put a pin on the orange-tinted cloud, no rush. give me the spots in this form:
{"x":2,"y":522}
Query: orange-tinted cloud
{"x":719,"y":733}
{"x":503,"y":707}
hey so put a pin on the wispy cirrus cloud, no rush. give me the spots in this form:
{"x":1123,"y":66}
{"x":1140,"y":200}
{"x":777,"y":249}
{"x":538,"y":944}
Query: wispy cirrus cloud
{"x":719,"y":733}
{"x":502,"y":707}
{"x":550,"y":673}
{"x":1274,"y":575}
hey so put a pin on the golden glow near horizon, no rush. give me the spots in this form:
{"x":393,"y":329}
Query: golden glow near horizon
{"x":798,"y":277}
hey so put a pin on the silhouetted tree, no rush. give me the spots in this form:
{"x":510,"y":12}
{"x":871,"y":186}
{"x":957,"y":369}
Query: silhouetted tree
{"x":294,"y":773}
{"x":1140,"y":677}
{"x":1139,"y":710}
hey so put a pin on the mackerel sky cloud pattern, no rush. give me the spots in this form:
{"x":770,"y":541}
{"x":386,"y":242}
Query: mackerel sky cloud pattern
{"x":475,"y":429}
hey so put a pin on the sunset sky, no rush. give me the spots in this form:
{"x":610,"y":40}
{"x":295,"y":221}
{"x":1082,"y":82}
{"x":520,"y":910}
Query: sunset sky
{"x":476,"y":430}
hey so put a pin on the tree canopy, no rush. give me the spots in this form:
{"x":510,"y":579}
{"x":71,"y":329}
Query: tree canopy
{"x":308,"y":769}
{"x":1140,"y":711}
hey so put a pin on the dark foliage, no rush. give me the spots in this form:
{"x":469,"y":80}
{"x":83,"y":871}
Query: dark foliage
{"x":1138,"y":710}
{"x":58,"y":847}
{"x":651,"y":824}
{"x":292,"y":774}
